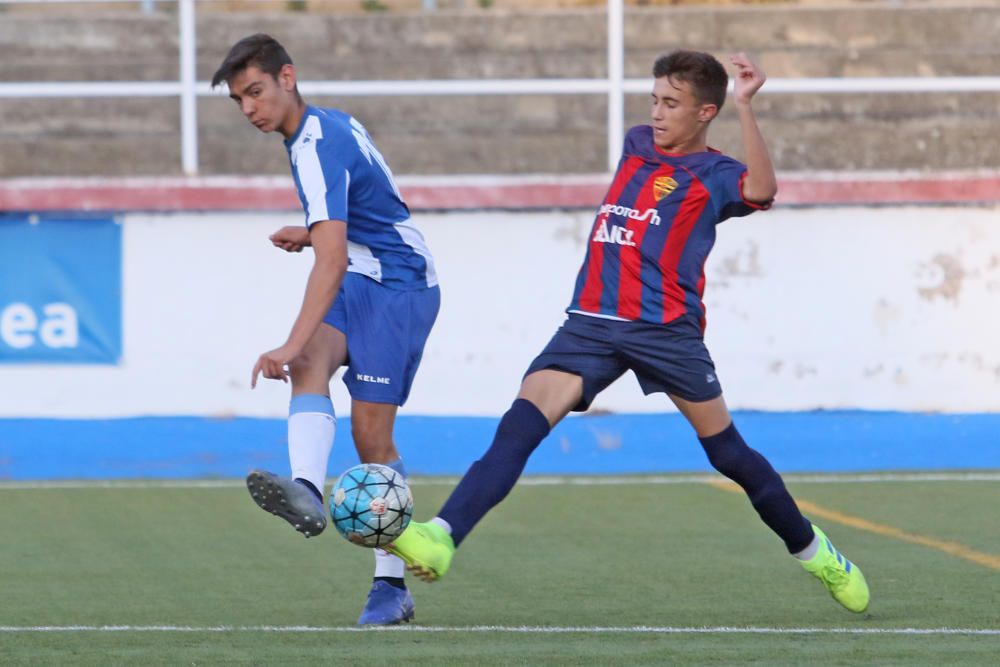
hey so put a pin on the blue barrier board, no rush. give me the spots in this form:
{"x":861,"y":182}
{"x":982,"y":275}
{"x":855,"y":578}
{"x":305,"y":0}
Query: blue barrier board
{"x":196,"y":447}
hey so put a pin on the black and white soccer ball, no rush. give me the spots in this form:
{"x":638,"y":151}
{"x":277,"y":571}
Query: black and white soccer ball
{"x":371,"y":505}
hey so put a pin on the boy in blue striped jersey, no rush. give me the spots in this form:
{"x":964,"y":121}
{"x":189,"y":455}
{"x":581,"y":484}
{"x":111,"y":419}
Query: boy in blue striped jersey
{"x":370,"y":300}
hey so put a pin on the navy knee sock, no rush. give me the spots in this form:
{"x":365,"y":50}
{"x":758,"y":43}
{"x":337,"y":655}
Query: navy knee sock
{"x":731,"y":456}
{"x":490,"y":479}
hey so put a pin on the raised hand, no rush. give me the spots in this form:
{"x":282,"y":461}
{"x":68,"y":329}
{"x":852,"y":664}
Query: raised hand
{"x":749,"y":77}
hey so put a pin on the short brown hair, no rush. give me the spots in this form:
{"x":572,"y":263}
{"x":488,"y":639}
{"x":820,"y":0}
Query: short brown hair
{"x":706,"y":75}
{"x":260,"y":50}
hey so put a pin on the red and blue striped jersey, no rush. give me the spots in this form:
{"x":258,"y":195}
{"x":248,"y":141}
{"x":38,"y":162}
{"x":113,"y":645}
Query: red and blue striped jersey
{"x":651,"y":237}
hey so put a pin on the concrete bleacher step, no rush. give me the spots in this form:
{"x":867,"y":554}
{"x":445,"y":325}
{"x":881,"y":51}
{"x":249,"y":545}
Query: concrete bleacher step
{"x":506,"y":134}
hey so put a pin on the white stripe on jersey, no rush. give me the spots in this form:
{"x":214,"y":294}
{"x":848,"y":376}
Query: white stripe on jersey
{"x":311,"y":172}
{"x":412,"y":237}
{"x":347,"y":192}
{"x":363,"y":261}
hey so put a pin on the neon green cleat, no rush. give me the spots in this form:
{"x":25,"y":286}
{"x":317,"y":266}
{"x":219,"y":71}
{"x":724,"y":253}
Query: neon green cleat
{"x":427,"y":549}
{"x":840,"y":576}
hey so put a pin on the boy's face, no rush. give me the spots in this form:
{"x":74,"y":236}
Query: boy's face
{"x":268,"y":103}
{"x":679,"y":118}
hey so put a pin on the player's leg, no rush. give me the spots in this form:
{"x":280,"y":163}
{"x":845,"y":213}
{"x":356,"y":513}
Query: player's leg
{"x":577,"y":364}
{"x":546,"y":396}
{"x":312,"y":421}
{"x":673,"y":359}
{"x":389,"y":329}
{"x":730,"y":455}
{"x":311,"y":425}
{"x":389,"y":602}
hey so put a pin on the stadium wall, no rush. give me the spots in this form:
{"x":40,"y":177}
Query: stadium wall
{"x":882,"y":317}
{"x":850,"y":308}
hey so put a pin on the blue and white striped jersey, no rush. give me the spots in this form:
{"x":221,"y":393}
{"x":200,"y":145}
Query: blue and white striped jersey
{"x":340,"y":175}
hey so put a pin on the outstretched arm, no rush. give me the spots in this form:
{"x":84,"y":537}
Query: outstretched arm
{"x":760,"y":184}
{"x":329,"y":240}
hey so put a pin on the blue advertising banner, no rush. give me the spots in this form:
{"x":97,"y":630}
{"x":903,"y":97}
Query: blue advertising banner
{"x":60,"y":289}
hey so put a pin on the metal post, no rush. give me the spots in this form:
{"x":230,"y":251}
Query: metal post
{"x":616,"y":81}
{"x":189,"y":103}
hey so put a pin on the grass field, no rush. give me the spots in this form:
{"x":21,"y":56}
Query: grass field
{"x":649,"y":571}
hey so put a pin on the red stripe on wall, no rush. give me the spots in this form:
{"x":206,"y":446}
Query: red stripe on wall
{"x":881,"y":189}
{"x":231,"y":193}
{"x":687,"y":216}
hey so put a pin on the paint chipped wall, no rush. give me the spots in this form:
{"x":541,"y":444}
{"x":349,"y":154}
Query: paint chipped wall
{"x":873,"y":308}
{"x":878,"y":308}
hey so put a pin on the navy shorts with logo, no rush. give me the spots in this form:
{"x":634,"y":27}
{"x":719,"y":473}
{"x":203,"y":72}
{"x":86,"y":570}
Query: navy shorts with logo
{"x":386,"y":330}
{"x":670,"y":358}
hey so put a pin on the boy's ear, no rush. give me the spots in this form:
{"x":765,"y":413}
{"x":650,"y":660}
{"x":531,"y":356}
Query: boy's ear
{"x":707,"y":113}
{"x":287,"y":77}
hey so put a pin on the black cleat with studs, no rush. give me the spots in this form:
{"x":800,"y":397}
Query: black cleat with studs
{"x":288,"y":499}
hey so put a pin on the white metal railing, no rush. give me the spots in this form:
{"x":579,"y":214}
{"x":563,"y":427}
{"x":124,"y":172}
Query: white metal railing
{"x":615,"y":86}
{"x":188,"y":45}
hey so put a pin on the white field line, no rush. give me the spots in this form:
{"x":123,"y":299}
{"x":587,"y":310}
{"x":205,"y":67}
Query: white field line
{"x":500,"y":629}
{"x":535,"y":480}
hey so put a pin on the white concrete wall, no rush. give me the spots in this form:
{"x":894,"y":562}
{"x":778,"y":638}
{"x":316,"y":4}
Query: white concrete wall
{"x":871,"y":308}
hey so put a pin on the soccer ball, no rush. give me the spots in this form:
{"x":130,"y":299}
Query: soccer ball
{"x":371,"y":505}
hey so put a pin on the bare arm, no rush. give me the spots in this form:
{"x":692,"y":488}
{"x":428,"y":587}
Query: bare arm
{"x":760,"y":184}
{"x":329,"y":241}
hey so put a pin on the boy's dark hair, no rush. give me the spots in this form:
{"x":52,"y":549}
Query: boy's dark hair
{"x":260,"y":50}
{"x":706,"y":75}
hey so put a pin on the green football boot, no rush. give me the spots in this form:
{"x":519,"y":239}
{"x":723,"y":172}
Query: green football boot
{"x":840,"y":576}
{"x":426,"y":548}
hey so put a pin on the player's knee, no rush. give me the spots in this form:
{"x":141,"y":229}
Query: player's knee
{"x":301,"y":369}
{"x":728,"y":453}
{"x":728,"y":460}
{"x":743,"y":465}
{"x":519,"y":432}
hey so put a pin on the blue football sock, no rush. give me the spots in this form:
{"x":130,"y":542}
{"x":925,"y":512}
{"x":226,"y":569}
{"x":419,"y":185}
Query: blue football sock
{"x":731,"y":456}
{"x":491,"y":478}
{"x":398,"y":466}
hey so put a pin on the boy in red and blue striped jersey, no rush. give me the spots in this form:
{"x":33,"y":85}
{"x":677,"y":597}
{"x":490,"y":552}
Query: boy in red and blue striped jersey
{"x":637,"y":306}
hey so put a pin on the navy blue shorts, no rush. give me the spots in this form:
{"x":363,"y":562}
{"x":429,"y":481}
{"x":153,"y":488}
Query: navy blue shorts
{"x":670,"y":358}
{"x":386,"y":330}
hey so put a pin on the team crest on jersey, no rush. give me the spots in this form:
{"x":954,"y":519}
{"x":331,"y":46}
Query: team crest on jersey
{"x":663,"y":186}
